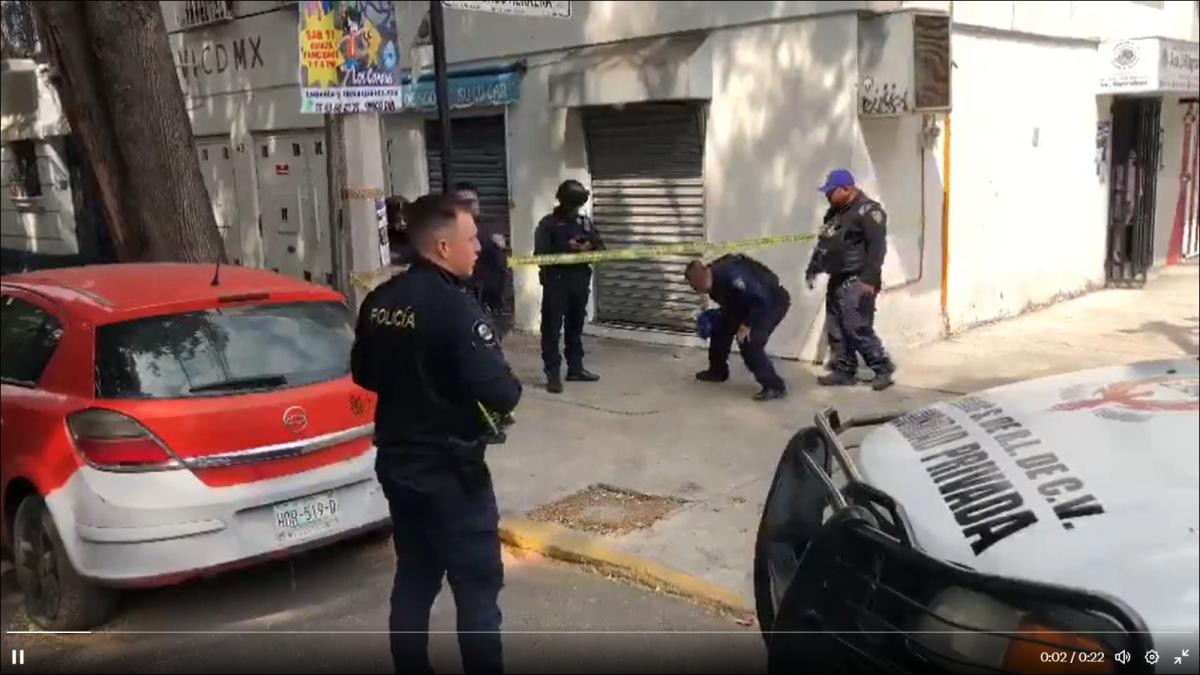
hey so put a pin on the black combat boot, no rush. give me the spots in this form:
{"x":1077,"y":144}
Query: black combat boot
{"x":554,"y":382}
{"x":836,"y":379}
{"x":883,"y":380}
{"x":582,"y":375}
{"x":711,"y":376}
{"x":770,"y":394}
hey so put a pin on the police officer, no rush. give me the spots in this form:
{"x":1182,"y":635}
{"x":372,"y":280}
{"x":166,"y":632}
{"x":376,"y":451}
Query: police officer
{"x":565,"y":288}
{"x":398,"y":246}
{"x":850,"y":249}
{"x":425,"y":347}
{"x":752,"y":304}
{"x":490,"y":278}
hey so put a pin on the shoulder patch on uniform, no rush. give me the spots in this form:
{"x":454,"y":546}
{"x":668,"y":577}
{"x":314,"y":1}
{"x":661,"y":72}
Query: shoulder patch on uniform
{"x":877,"y":216}
{"x":483,"y":333}
{"x":739,"y":283}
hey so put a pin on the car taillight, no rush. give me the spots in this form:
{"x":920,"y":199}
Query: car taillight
{"x":111,"y":441}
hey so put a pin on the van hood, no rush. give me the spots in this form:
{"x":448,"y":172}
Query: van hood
{"x":1087,"y":480}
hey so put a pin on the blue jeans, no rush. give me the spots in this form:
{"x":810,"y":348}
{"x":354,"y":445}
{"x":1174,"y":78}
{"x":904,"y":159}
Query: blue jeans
{"x":444,"y":525}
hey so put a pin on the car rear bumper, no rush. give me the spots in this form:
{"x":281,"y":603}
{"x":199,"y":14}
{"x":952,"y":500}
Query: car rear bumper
{"x":138,"y":529}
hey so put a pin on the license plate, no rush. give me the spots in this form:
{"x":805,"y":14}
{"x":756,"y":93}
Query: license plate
{"x":305,"y":517}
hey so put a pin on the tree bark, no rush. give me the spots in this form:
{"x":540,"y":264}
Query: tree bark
{"x":77,"y":80}
{"x":138,"y":138}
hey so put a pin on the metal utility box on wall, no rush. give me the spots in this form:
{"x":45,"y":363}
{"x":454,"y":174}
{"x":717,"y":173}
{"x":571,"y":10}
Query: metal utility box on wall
{"x":904,"y":64}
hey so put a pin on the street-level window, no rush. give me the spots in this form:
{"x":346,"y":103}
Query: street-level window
{"x":23,"y":179}
{"x":28,"y":338}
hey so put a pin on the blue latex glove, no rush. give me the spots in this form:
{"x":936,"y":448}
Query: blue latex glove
{"x":705,"y":322}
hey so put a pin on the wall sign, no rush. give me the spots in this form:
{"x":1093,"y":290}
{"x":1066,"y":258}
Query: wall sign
{"x":466,"y":92}
{"x":1148,"y":65}
{"x":349,"y":56}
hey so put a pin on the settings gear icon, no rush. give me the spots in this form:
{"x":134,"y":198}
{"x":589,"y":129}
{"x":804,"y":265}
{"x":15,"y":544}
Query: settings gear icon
{"x":1152,"y":657}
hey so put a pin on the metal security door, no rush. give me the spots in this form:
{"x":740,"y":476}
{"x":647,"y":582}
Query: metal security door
{"x":647,"y":164}
{"x":217,"y":167}
{"x":1136,"y":146}
{"x":292,"y":193}
{"x":479,"y":158}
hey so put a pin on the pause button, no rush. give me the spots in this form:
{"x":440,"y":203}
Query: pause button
{"x":18,"y":657}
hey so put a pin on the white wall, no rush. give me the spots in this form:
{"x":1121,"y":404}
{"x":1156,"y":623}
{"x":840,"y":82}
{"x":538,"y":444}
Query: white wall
{"x":1084,"y":19}
{"x":545,"y":147}
{"x":906,"y":174}
{"x":784,"y":112}
{"x":1027,"y":208}
{"x":473,"y":36}
{"x":242,"y":75}
{"x":46,"y":223}
{"x":404,"y":155}
{"x":30,"y":107}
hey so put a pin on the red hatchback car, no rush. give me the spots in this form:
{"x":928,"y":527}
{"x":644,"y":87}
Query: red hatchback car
{"x":158,"y":426}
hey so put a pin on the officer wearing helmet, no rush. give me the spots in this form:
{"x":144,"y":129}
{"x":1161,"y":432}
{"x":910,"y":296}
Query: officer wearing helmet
{"x":565,"y":288}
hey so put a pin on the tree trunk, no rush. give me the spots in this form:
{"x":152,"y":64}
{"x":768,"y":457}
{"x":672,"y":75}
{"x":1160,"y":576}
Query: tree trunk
{"x":78,"y":82}
{"x":117,"y":54}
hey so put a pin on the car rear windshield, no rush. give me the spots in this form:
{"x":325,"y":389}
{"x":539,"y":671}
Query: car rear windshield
{"x":224,"y":351}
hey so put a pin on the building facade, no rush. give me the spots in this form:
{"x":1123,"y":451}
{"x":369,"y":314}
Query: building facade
{"x":1036,"y":151}
{"x":37,"y":160}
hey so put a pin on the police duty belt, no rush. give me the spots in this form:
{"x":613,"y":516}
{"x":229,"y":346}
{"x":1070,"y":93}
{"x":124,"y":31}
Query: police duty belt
{"x":649,"y":252}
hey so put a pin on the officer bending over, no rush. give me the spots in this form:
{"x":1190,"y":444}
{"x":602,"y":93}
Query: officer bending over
{"x":425,"y":347}
{"x":565,"y":288}
{"x":752,"y":303}
{"x":851,"y":249}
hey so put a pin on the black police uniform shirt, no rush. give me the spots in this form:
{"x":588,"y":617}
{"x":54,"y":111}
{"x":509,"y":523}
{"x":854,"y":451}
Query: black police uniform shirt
{"x":423,"y":345}
{"x":744,"y":288}
{"x":554,"y":234}
{"x":491,"y":269}
{"x":852,"y":241}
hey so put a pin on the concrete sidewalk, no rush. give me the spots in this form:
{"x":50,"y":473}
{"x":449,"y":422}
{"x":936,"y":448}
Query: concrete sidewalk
{"x":648,"y":426}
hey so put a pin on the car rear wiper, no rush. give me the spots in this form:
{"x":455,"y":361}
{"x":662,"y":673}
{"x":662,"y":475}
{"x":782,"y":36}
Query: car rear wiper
{"x":254,"y":382}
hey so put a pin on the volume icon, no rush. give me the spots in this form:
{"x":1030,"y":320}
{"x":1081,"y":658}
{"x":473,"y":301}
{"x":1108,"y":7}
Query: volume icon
{"x":1123,"y":657}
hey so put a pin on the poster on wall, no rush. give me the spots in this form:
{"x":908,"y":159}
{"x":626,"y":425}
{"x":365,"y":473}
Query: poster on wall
{"x":349,"y":56}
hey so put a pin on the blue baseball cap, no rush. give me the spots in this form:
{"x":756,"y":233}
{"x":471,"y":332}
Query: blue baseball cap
{"x":836,"y":179}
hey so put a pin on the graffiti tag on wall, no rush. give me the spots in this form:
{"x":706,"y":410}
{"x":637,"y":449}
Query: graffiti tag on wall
{"x":882,"y":99}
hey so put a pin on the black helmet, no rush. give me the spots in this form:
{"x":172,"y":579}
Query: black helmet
{"x":572,"y":192}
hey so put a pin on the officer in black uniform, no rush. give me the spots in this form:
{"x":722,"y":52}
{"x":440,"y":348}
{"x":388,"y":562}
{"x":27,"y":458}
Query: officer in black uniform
{"x":565,"y":288}
{"x":398,"y":246}
{"x":850,"y":249}
{"x":752,"y":304}
{"x":490,"y":278}
{"x":425,"y":347}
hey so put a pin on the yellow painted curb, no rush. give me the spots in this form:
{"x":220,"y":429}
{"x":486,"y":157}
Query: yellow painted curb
{"x":561,"y":543}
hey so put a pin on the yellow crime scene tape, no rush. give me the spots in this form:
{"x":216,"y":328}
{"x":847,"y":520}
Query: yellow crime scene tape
{"x":648,"y":252}
{"x":368,"y":281}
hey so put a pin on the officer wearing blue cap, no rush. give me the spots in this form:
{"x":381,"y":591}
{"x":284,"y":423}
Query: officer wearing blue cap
{"x":850,"y":249}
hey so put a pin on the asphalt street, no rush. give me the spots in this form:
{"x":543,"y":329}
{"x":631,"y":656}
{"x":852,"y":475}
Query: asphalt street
{"x":326,"y":612}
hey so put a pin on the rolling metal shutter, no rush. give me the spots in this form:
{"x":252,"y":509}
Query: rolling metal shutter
{"x":647,"y":166}
{"x":479,"y":158}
